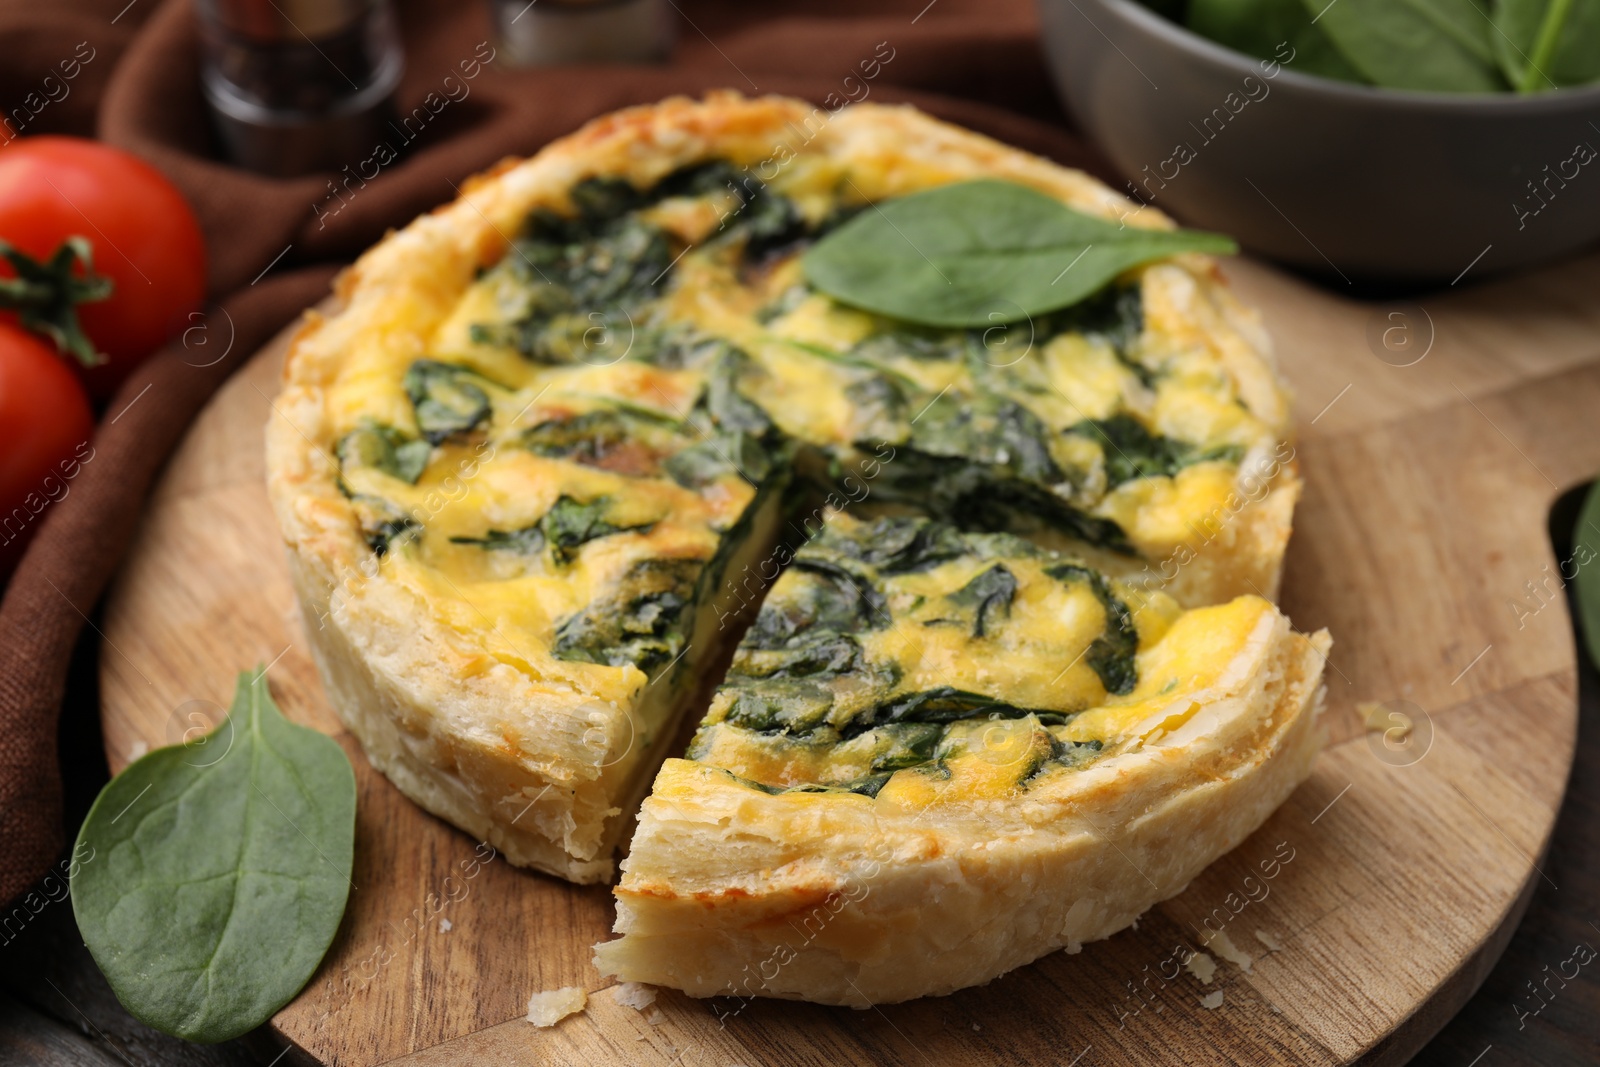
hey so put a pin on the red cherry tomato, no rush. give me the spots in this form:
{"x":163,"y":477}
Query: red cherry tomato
{"x":144,"y":236}
{"x":45,"y":430}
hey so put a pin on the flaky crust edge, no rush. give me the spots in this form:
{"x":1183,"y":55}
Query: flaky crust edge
{"x":732,"y":892}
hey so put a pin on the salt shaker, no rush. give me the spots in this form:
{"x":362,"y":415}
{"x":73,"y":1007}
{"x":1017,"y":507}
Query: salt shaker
{"x":299,"y":86}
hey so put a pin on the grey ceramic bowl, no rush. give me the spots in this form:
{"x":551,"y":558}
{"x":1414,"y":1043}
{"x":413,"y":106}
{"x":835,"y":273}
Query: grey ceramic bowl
{"x":1352,"y":182}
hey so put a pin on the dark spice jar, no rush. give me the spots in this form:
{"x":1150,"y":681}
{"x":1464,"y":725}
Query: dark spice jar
{"x":296,"y":86}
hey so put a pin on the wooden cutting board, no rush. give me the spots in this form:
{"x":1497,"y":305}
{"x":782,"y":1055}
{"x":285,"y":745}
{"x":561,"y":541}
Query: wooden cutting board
{"x":1356,"y":921}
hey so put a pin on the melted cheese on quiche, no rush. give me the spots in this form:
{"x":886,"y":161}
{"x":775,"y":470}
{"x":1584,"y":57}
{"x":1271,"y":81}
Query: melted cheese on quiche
{"x":558,"y":471}
{"x":905,"y":660}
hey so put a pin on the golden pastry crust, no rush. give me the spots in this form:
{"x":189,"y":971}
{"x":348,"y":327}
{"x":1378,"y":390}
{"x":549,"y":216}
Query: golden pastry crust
{"x":543,"y":757}
{"x":846,"y":899}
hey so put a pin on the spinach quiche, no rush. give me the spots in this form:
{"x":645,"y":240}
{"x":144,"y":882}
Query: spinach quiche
{"x":541,"y":467}
{"x":939,"y":755}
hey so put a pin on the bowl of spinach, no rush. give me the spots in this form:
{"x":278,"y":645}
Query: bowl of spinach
{"x":1366,"y":141}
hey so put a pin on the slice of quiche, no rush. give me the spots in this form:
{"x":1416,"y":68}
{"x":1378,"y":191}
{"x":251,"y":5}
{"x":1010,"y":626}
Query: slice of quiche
{"x":940,"y":755}
{"x":532,"y":471}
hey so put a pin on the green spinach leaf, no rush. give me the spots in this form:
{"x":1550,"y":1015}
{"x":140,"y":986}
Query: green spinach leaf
{"x":1260,"y":27}
{"x":527,"y":541}
{"x":566,"y":527}
{"x":580,"y":278}
{"x":1115,"y":313}
{"x":447,"y":398}
{"x":942,"y":704}
{"x":614,"y":439}
{"x":592,"y":265}
{"x":1548,"y":44}
{"x":719,"y":455}
{"x":901,"y":745}
{"x":811,"y":653}
{"x":982,"y":253}
{"x":900,"y":544}
{"x":384,"y":535}
{"x":727,"y":405}
{"x":221,"y":872}
{"x":386,"y":449}
{"x":989,"y":595}
{"x":987,"y":429}
{"x":1433,"y":45}
{"x":1111,"y":655}
{"x":764,"y":220}
{"x":791,"y":706}
{"x":640,"y":621}
{"x":383,"y":523}
{"x":571,"y":524}
{"x":1131,"y":451}
{"x":977,"y":496}
{"x":843,"y":597}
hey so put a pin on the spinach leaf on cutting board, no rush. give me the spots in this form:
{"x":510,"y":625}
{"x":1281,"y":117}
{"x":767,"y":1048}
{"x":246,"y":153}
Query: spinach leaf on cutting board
{"x":1547,"y":44}
{"x":221,"y":872}
{"x":982,"y":253}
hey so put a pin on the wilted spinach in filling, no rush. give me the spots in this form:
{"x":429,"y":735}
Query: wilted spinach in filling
{"x":447,"y":399}
{"x":801,"y":676}
{"x":981,"y":460}
{"x":641,"y":620}
{"x":588,"y":275}
{"x":977,"y":461}
{"x":566,"y":527}
{"x":988,"y":597}
{"x":385,"y":449}
{"x":1111,"y":655}
{"x":1131,"y":451}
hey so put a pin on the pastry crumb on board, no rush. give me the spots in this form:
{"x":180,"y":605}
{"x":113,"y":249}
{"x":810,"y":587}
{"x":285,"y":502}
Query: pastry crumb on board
{"x":553,"y":1005}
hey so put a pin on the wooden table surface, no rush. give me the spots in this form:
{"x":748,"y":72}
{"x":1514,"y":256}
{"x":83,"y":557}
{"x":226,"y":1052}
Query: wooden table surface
{"x":1538,"y":332}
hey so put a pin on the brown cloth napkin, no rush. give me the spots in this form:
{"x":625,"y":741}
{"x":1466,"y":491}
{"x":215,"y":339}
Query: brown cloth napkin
{"x":963,"y":60}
